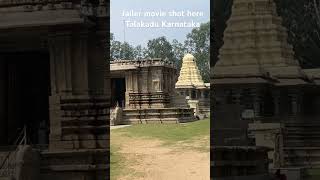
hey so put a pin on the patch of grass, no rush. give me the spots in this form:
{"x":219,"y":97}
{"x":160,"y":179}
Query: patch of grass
{"x":116,"y":161}
{"x":120,"y":162}
{"x":169,"y":132}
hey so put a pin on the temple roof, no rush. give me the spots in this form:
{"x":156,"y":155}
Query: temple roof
{"x":189,"y":74}
{"x":313,"y":74}
{"x":255,"y":47}
{"x":121,"y":65}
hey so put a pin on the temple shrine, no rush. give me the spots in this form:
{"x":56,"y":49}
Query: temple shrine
{"x":262,"y":97}
{"x":144,"y":89}
{"x":191,"y":85}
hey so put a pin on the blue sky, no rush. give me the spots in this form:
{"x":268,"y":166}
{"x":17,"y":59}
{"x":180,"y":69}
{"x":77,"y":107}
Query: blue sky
{"x":136,"y":36}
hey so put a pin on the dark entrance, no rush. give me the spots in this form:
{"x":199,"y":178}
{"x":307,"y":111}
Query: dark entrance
{"x":26,"y":90}
{"x":118,"y":94}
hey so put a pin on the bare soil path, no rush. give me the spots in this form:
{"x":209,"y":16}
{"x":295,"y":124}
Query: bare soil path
{"x":150,"y":159}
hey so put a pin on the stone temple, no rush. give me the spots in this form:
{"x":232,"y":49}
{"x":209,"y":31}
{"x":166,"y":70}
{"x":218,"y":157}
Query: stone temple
{"x":262,"y":97}
{"x":143,"y":91}
{"x":191,"y":85}
{"x":54,"y":90}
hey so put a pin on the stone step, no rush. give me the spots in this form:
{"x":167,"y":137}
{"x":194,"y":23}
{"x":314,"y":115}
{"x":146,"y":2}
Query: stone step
{"x":307,"y":124}
{"x":155,"y":120}
{"x":303,"y":126}
{"x":160,"y":115}
{"x":5,"y":178}
{"x":306,"y":130}
{"x":303,"y":138}
{"x":302,"y":156}
{"x":301,"y":143}
{"x":301,"y":163}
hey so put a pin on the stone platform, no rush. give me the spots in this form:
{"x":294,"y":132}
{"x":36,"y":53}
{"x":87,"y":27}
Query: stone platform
{"x":157,"y":115}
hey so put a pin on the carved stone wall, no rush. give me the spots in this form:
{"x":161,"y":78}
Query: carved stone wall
{"x":239,"y":163}
{"x":149,"y":83}
{"x":75,"y":35}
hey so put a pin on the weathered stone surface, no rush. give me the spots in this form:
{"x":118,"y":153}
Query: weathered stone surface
{"x":73,"y":34}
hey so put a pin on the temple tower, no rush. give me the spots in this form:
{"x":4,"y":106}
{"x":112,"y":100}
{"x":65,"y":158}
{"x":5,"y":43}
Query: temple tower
{"x":254,"y":57}
{"x":189,"y":73}
{"x":191,"y":85}
{"x":259,"y":88}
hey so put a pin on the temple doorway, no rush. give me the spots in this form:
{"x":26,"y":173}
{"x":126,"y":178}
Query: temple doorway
{"x":25,"y":90}
{"x":118,"y":93}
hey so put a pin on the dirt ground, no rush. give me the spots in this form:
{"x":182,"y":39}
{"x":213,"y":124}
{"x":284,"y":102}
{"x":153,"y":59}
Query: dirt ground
{"x":148,"y":159}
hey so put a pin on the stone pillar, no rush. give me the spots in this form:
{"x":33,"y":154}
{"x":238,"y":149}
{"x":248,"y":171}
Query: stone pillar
{"x":80,"y":66}
{"x":129,"y":88}
{"x":3,"y":102}
{"x":144,"y":79}
{"x":13,"y":108}
{"x":202,"y":94}
{"x":276,"y":101}
{"x":170,"y":80}
{"x":60,"y":63}
{"x":80,"y":91}
{"x":295,"y":102}
{"x":161,"y":79}
{"x":237,"y":96}
{"x":198,"y":94}
{"x":256,"y":102}
{"x":165,"y":81}
{"x":135,"y":84}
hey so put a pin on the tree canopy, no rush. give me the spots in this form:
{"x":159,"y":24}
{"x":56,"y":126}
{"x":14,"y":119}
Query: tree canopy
{"x":197,"y":43}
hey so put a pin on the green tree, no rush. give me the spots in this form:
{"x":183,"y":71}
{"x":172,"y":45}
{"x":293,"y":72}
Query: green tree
{"x":160,"y":48}
{"x":198,"y":44}
{"x":179,"y":51}
{"x":115,"y":48}
{"x":126,"y":51}
{"x":138,"y":52}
